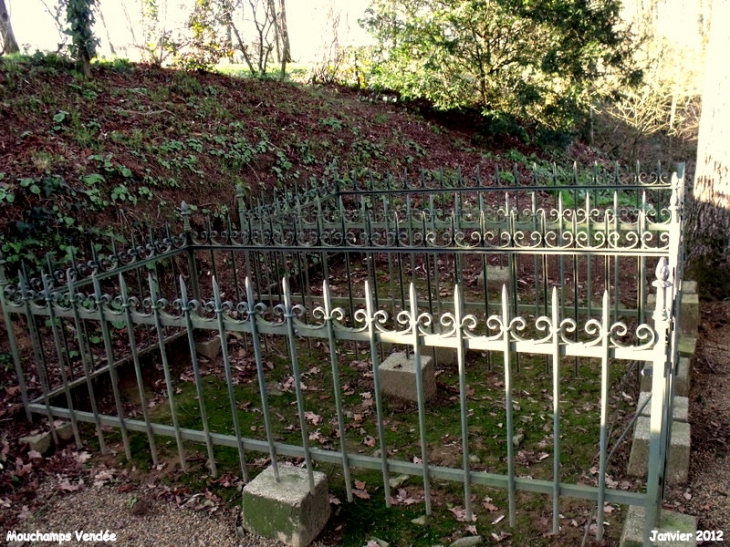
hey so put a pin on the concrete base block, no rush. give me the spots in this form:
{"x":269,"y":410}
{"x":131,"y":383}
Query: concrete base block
{"x":680,"y":410}
{"x":678,"y":457}
{"x":65,"y":431}
{"x":210,"y":348}
{"x":444,"y":356}
{"x":286,"y":510}
{"x":681,"y":381}
{"x":41,"y":443}
{"x":496,"y":277}
{"x":675,"y":529}
{"x":687,"y":345}
{"x":689,"y":315}
{"x":398,"y":376}
{"x":689,"y":287}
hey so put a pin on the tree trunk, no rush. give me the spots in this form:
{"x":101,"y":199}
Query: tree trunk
{"x":10,"y":44}
{"x":286,"y":48}
{"x":277,"y":30}
{"x":708,"y":229}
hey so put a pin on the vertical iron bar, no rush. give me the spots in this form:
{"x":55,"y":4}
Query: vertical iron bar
{"x":157,"y":305}
{"x":371,"y":316}
{"x":219,"y":308}
{"x":35,"y":341}
{"x":605,"y":349}
{"x":101,"y":303}
{"x":253,"y":314}
{"x":556,"y":409}
{"x":421,"y":399}
{"x":127,"y":303}
{"x":187,"y":307}
{"x":86,"y":358}
{"x":507,"y":352}
{"x":62,"y":356}
{"x":290,"y":312}
{"x":330,"y":316}
{"x":461,"y":360}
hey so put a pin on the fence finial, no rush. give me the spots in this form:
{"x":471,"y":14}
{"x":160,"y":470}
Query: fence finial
{"x":661,"y":283}
{"x":185,"y":212}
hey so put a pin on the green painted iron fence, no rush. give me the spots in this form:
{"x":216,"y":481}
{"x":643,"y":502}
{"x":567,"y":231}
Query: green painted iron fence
{"x":508,"y":270}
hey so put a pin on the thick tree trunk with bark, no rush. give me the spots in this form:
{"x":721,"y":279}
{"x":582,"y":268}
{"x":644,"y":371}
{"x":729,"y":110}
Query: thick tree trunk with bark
{"x":708,"y":229}
{"x":10,"y":44}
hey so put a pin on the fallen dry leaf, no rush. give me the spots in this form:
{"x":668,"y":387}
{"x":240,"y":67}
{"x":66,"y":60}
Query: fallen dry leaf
{"x":487,"y":503}
{"x":66,"y":486}
{"x":312,"y":418}
{"x":82,"y":457}
{"x":459,"y":513}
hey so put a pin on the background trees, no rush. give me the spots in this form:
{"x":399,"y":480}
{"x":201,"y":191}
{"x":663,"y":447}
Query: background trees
{"x":537,"y":60}
{"x":708,"y":232}
{"x":80,"y":18}
{"x":9,"y":44}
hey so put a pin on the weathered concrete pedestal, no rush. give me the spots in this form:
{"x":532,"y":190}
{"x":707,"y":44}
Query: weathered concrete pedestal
{"x":671,"y":525}
{"x":681,"y":379}
{"x":680,"y":408}
{"x":398,"y":376}
{"x":286,"y":510}
{"x":677,"y":460}
{"x":210,"y":348}
{"x":496,"y":277}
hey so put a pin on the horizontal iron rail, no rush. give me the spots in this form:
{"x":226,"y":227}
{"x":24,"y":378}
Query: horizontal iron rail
{"x":481,"y":343}
{"x":368,"y":462}
{"x":647,"y":252}
{"x":463,"y":189}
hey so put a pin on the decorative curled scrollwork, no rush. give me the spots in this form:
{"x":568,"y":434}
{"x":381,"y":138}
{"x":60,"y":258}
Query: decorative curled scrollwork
{"x":594,"y":329}
{"x":468,"y":325}
{"x":336,"y":315}
{"x":378,"y":320}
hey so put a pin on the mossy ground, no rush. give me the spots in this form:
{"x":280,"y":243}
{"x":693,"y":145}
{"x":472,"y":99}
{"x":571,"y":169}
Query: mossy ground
{"x":367,"y":516}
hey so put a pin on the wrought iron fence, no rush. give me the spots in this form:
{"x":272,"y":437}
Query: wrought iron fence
{"x":376,"y":265}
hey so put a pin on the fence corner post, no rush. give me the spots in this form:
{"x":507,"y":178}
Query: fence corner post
{"x":659,"y":401}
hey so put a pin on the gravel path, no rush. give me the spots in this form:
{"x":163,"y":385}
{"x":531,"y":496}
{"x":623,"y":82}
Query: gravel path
{"x":137,"y":517}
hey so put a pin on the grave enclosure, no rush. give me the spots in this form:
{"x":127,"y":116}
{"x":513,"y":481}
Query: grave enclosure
{"x":347,"y":310}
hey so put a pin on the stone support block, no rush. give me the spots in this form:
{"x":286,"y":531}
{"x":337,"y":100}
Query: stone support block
{"x":680,"y":410}
{"x":675,"y":529}
{"x":286,"y":510}
{"x":687,"y":345}
{"x":398,"y":376}
{"x":678,"y":457}
{"x":689,"y":315}
{"x":210,"y":348}
{"x":681,"y":381}
{"x":41,"y":443}
{"x":496,"y":277}
{"x":689,"y":287}
{"x":444,"y":356}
